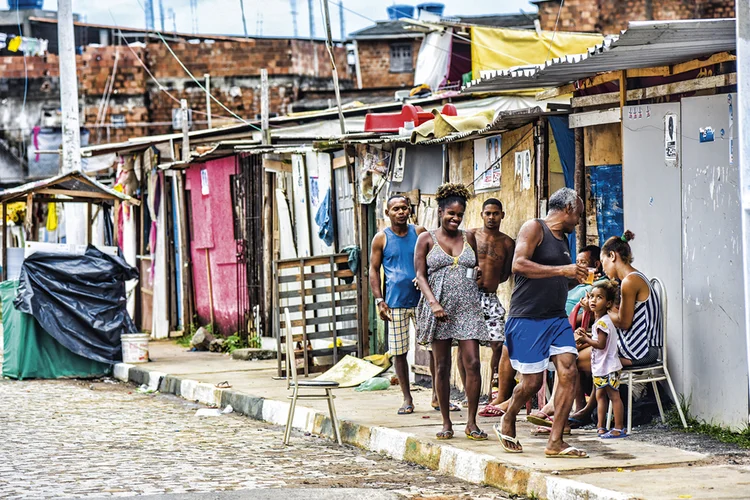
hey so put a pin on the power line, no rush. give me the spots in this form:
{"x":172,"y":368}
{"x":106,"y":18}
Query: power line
{"x":25,"y":82}
{"x":151,"y":75}
{"x":552,"y":40}
{"x":200,"y":85}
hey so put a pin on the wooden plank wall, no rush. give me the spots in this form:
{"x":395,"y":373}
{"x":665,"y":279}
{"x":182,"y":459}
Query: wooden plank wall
{"x":519,"y":205}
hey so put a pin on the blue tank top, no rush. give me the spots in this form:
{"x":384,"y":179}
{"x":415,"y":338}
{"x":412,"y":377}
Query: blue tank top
{"x":398,"y":265}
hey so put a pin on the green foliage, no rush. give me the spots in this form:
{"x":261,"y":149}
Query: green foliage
{"x":722,"y":434}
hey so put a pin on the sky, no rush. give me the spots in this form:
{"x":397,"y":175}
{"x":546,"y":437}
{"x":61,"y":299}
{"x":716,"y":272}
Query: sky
{"x":225,"y":16}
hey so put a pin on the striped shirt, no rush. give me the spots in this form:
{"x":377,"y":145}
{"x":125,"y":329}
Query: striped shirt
{"x":645,"y":331}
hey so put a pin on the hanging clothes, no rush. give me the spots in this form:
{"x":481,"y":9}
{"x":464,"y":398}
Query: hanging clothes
{"x":324,"y":219}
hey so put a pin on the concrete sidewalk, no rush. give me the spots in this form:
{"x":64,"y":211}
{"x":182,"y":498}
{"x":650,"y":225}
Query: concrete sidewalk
{"x":618,"y":469}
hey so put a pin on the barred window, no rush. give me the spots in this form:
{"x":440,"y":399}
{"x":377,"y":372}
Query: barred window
{"x":401,"y":58}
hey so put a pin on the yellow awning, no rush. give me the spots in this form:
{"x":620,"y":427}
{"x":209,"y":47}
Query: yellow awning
{"x":496,"y":49}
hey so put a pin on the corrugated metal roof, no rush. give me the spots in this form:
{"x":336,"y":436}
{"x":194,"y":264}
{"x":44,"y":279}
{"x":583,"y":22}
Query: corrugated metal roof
{"x":77,"y":183}
{"x":644,"y":44}
{"x":505,"y":120}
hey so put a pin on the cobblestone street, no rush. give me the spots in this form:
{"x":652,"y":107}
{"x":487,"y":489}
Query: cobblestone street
{"x":83,"y":439}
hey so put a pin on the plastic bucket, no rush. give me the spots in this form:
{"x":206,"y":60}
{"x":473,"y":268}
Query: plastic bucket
{"x":135,"y":347}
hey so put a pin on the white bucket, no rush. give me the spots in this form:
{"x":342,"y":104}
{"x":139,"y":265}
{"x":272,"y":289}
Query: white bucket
{"x":135,"y":347}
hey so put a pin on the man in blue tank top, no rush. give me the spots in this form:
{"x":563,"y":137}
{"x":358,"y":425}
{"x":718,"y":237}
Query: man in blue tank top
{"x":537,"y":331}
{"x":393,"y":249}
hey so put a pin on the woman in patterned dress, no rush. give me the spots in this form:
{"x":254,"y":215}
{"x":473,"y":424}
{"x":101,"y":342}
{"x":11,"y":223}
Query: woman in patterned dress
{"x":450,"y":310}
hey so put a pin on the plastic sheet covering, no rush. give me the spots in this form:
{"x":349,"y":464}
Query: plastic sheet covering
{"x":29,"y":352}
{"x":434,"y":59}
{"x":498,"y":48}
{"x":79,"y":300}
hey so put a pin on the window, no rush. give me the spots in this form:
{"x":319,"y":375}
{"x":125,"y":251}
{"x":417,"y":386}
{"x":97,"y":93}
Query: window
{"x":401,"y":58}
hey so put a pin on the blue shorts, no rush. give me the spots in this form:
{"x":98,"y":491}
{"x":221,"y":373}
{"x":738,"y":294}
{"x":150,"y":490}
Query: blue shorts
{"x":531,"y":342}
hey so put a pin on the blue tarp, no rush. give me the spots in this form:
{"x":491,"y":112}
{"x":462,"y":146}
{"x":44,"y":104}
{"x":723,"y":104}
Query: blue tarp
{"x":566,"y":147}
{"x":606,"y":188}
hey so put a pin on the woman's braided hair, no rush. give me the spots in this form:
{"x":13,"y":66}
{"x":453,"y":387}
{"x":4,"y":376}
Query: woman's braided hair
{"x":451,"y":193}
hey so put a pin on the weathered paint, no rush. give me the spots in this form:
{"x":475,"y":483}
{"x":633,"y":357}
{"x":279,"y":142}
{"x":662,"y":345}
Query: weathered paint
{"x":212,"y":230}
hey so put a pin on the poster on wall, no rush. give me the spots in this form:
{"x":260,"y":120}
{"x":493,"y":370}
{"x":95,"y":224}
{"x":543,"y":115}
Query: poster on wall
{"x":398,"y":165}
{"x":523,"y":168}
{"x":487,"y":163}
{"x":670,"y":138}
{"x":374,"y":164}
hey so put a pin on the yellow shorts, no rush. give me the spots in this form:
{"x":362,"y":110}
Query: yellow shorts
{"x":398,"y":330}
{"x":612,"y":380}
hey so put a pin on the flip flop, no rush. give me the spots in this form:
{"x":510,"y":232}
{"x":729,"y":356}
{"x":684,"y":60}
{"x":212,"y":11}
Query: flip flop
{"x":491,"y":411}
{"x":504,"y":438}
{"x":546,"y":431}
{"x":406,"y":410}
{"x":478,"y":435}
{"x":444,"y":435}
{"x":223,"y":385}
{"x":544,"y":420}
{"x":569,"y":452}
{"x":452,"y":407}
{"x":609,"y":435}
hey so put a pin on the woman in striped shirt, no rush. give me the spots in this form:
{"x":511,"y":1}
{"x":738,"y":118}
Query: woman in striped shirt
{"x":639,"y":316}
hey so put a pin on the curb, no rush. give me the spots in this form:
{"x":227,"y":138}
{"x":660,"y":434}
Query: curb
{"x":462,"y":464}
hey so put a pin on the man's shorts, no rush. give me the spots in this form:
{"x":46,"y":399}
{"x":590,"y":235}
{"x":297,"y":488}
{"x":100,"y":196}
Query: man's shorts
{"x":612,"y":380}
{"x":494,"y":316}
{"x":398,"y":330}
{"x":531,"y":342}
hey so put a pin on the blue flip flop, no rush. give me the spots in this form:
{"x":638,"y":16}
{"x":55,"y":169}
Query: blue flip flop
{"x":609,"y":435}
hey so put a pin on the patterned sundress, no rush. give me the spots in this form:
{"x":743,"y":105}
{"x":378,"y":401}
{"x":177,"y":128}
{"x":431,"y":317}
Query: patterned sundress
{"x":458,"y":295}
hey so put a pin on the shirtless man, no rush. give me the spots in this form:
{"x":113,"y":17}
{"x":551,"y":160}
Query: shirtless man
{"x":495,"y":253}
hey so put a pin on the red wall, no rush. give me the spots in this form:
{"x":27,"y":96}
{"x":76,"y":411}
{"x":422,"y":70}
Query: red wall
{"x":212,"y":228}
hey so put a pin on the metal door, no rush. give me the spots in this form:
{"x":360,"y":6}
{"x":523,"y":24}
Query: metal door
{"x":344,"y":208}
{"x":713,"y":302}
{"x":247,"y":198}
{"x":653,"y":211}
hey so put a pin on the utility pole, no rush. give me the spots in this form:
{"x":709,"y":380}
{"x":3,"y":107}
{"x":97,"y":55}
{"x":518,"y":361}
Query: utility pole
{"x":743,"y":96}
{"x":329,"y":44}
{"x":185,"y":130}
{"x":71,"y":128}
{"x":208,"y":98}
{"x":293,"y":5}
{"x":244,"y":23}
{"x":311,"y":12}
{"x":161,"y":14}
{"x":75,"y":213}
{"x":342,"y":23}
{"x":264,"y":112}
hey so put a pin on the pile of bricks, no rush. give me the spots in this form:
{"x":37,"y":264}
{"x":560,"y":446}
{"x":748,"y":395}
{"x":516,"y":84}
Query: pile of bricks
{"x":96,"y":65}
{"x":35,"y":66}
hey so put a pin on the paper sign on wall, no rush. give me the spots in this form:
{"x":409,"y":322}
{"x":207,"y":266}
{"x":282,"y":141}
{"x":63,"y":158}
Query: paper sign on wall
{"x":670,"y":138}
{"x":204,"y":182}
{"x":523,"y":168}
{"x":487,"y":163}
{"x":398,"y":166}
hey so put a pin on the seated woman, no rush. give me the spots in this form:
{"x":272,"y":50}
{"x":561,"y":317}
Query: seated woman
{"x":638,"y":317}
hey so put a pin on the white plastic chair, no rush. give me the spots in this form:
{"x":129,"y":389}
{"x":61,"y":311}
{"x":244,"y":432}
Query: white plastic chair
{"x":301,"y":385}
{"x":651,"y":373}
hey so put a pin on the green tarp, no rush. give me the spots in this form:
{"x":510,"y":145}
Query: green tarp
{"x":29,"y":352}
